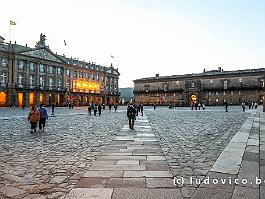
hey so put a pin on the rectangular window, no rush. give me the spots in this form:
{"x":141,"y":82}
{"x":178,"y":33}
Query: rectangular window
{"x":21,"y":64}
{"x":51,"y":69}
{"x":59,"y":83}
{"x":74,"y":74}
{"x":210,"y":93}
{"x":60,"y":71}
{"x":239,"y":92}
{"x":224,"y":93}
{"x":240,"y":80}
{"x":20,"y":79}
{"x":216,"y":93}
{"x":31,"y":80}
{"x":81,"y":75}
{"x":32,"y":66}
{"x":42,"y":68}
{"x":177,"y":83}
{"x":42,"y":81}
{"x":68,"y":73}
{"x":3,"y":62}
{"x":232,"y":92}
{"x":50,"y":82}
{"x":3,"y":78}
{"x":211,"y":81}
{"x":192,"y":85}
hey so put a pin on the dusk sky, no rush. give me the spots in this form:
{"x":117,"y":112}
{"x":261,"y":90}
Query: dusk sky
{"x":145,"y":37}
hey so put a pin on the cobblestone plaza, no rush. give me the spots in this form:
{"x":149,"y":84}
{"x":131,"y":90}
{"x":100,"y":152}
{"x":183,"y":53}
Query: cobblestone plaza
{"x":172,"y":153}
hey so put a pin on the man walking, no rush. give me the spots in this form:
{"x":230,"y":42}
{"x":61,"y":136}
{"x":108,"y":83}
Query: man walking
{"x":142,"y":109}
{"x":131,"y":114}
{"x":53,"y":108}
{"x":43,"y":117}
{"x":99,"y":109}
{"x":89,"y":108}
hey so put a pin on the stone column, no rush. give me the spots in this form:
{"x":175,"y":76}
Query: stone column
{"x":27,"y":99}
{"x":47,"y":98}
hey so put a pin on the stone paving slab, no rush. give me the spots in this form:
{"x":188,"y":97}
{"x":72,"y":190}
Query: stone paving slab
{"x":90,"y":193}
{"x":138,"y":169}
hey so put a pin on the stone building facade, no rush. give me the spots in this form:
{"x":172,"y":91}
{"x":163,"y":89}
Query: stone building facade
{"x":31,"y":76}
{"x":210,"y":87}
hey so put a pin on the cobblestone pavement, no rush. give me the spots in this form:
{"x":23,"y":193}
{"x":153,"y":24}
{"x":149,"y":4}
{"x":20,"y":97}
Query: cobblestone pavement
{"x":47,"y":165}
{"x":75,"y":146}
{"x":193,"y":140}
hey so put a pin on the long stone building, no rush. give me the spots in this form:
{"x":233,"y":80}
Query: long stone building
{"x":210,"y":87}
{"x":37,"y":75}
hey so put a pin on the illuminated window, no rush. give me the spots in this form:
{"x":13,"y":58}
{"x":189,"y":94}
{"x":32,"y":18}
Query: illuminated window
{"x":232,"y":92}
{"x":51,"y":69}
{"x":216,"y":93}
{"x":59,"y":83}
{"x":210,"y":93}
{"x":177,"y":83}
{"x":192,"y":85}
{"x":224,"y":93}
{"x":240,"y":80}
{"x":68,"y":73}
{"x":211,"y":81}
{"x":60,"y":71}
{"x":239,"y":92}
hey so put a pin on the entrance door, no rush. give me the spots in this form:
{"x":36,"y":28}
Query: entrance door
{"x":3,"y":99}
{"x":31,"y":99}
{"x":20,"y":99}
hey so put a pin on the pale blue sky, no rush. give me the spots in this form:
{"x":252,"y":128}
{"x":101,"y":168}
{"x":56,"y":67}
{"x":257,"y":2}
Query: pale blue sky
{"x":145,"y":36}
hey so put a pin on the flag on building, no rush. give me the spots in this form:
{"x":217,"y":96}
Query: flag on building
{"x":12,"y":23}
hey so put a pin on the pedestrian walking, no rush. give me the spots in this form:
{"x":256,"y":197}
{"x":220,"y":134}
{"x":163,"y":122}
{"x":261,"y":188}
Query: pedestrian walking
{"x":226,"y":106}
{"x":154,"y":107}
{"x":256,"y":105}
{"x":23,"y":106}
{"x":53,"y":108}
{"x":99,"y":109}
{"x":103,"y":106}
{"x":95,"y":109}
{"x":115,"y":107}
{"x":203,"y":106}
{"x":142,"y":109}
{"x":89,"y":108}
{"x":131,"y":114}
{"x":33,"y":118}
{"x":109,"y":107}
{"x":243,"y":106}
{"x":69,"y":105}
{"x":43,"y":117}
{"x":72,"y":105}
{"x":249,"y":105}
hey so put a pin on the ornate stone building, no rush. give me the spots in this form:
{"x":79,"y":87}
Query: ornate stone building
{"x":38,"y":76}
{"x":210,"y":87}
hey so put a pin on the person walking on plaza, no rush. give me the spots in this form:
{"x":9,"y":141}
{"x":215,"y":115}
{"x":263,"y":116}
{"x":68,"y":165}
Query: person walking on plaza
{"x":256,"y":105}
{"x":154,"y":107}
{"x":33,"y":118}
{"x":103,"y":106}
{"x":131,"y":114}
{"x":226,"y":106}
{"x":115,"y":107}
{"x":142,"y":109}
{"x":89,"y":108}
{"x":43,"y":117}
{"x":53,"y":108}
{"x":99,"y":109}
{"x":243,"y":106}
{"x":109,"y":107}
{"x":95,"y":109}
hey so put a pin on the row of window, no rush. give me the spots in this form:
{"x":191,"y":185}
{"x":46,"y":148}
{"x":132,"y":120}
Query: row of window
{"x":42,"y":67}
{"x":224,"y":93}
{"x":32,"y":81}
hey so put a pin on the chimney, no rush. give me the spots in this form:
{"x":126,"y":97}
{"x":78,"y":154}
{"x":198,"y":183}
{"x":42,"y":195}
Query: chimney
{"x":157,"y":75}
{"x":26,"y":45}
{"x":15,"y":42}
{"x":204,"y":70}
{"x":219,"y":69}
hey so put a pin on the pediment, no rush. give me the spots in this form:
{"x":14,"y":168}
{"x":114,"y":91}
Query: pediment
{"x":42,"y":54}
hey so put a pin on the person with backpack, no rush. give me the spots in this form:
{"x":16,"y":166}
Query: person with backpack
{"x":43,"y":117}
{"x":33,"y":118}
{"x":131,"y":114}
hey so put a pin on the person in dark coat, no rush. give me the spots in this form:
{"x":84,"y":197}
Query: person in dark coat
{"x":154,"y":107}
{"x":99,"y":109}
{"x":115,"y":107}
{"x":226,"y":106}
{"x":53,"y":109}
{"x":89,"y":108}
{"x":95,"y":109}
{"x":43,"y":117}
{"x":131,"y":114}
